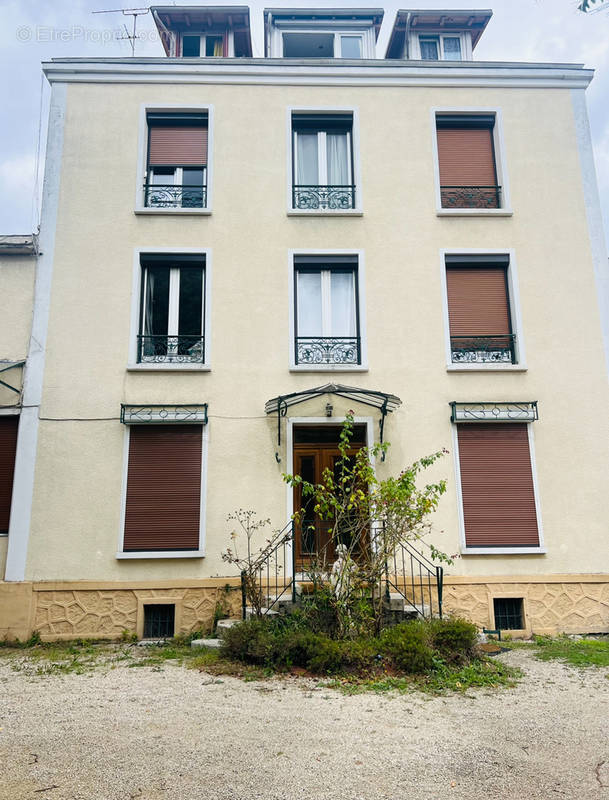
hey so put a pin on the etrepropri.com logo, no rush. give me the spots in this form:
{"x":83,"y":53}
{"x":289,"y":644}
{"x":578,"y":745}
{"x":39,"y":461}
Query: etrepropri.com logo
{"x":75,"y":33}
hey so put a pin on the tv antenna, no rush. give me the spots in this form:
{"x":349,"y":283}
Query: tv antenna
{"x":127,"y":12}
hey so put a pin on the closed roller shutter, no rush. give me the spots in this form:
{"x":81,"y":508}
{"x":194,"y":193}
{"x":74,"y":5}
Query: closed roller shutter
{"x":179,"y":146}
{"x":466,"y":157}
{"x":497,"y":485}
{"x":478,"y":301}
{"x":163,"y":488}
{"x":8,"y":449}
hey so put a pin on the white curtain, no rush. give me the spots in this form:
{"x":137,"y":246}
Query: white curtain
{"x":148,"y":301}
{"x":307,"y":169}
{"x":343,"y":304}
{"x":309,"y":304}
{"x":338,"y":159}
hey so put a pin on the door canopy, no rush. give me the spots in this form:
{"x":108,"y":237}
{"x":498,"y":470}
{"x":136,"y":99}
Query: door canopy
{"x":384,"y":402}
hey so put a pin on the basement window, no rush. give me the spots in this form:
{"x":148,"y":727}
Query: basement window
{"x":159,"y":621}
{"x":508,"y":613}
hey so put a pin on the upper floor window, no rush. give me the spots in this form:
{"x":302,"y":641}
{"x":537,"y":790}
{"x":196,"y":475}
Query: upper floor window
{"x":434,"y":48}
{"x":176,"y":167}
{"x":323,"y":45}
{"x":466,"y":159}
{"x":327,"y":326}
{"x":322,"y":162}
{"x":204,"y":44}
{"x":172,"y":310}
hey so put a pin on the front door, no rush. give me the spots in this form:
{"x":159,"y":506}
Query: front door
{"x":316,"y":449}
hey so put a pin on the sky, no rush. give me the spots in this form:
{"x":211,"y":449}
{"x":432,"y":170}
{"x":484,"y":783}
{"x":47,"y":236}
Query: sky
{"x":33,"y":31}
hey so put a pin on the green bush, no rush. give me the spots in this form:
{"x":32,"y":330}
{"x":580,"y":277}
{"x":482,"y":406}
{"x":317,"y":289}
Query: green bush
{"x":319,"y":612}
{"x":361,"y":654}
{"x":453,"y":639}
{"x":251,"y":641}
{"x":406,"y":644}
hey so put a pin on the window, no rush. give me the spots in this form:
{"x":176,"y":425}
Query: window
{"x":8,"y":449}
{"x":195,"y":46}
{"x":466,"y":158}
{"x":322,"y":162}
{"x":479,"y":313}
{"x":434,"y":48}
{"x":172,"y":309}
{"x":159,"y":620}
{"x":322,"y":45}
{"x":163,"y":496}
{"x":327,"y":327}
{"x":497,"y":489}
{"x":508,"y":613}
{"x":176,"y":168}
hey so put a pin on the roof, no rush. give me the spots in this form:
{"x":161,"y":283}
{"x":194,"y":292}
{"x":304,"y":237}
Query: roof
{"x":475,"y":20}
{"x":19,"y":245}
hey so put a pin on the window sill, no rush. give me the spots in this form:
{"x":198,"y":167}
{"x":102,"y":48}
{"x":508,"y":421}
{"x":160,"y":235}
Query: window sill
{"x":168,"y":368}
{"x":162,"y":554}
{"x":328,"y":368}
{"x":503,"y":551}
{"x":486,"y":368}
{"x":193,"y":212}
{"x":474,"y":212}
{"x":314,"y":212}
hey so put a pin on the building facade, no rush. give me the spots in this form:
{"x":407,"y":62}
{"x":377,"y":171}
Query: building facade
{"x":236,"y":251}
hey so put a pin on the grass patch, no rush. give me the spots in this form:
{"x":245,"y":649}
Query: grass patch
{"x":576,"y":652}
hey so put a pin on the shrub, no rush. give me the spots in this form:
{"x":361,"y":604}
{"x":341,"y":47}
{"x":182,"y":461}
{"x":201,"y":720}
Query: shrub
{"x":319,"y":611}
{"x":361,"y":654}
{"x":406,"y":645}
{"x":453,"y":639}
{"x":251,"y":641}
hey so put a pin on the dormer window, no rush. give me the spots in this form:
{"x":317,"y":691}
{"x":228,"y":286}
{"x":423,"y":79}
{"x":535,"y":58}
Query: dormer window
{"x":435,"y":48}
{"x":204,"y":31}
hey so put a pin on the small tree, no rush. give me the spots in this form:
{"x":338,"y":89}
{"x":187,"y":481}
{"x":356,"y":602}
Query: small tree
{"x":252,"y":562}
{"x":369,"y":519}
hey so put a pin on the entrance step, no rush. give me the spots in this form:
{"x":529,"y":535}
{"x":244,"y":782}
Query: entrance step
{"x":210,"y":644}
{"x":223,"y":625}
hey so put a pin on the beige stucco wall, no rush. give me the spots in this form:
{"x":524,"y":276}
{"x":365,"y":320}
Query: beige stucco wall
{"x":17,"y":292}
{"x":77,"y":499}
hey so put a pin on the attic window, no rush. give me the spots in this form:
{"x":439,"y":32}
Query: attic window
{"x":308,"y":45}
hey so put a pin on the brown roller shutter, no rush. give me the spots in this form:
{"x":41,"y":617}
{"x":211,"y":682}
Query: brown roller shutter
{"x":478,"y":301}
{"x":179,"y":146}
{"x":163,"y":488}
{"x":466,"y":157}
{"x":8,"y":449}
{"x":497,"y":485}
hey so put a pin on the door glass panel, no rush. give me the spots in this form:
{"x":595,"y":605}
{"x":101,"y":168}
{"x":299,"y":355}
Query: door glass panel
{"x":308,"y":45}
{"x":214,"y":46}
{"x":191,"y":46}
{"x":190,"y":310}
{"x":192,"y":197}
{"x":452,"y":48}
{"x":351,"y":46}
{"x":307,"y":162}
{"x":309,"y":304}
{"x":337,"y":149}
{"x":155,"y":312}
{"x":309,"y":518}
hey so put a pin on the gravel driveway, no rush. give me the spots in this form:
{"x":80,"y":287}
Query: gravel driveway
{"x":177,"y":733}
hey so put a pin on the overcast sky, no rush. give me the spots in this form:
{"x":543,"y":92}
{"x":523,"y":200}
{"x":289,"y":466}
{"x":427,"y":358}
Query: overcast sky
{"x":33,"y":31}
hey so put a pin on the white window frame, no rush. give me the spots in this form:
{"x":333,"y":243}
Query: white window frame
{"x":121,"y":554}
{"x":514,"y":306}
{"x":136,"y":293}
{"x":440,"y":37}
{"x":414,"y":44}
{"x":497,"y":551}
{"x":142,"y":175}
{"x":203,"y":42}
{"x":500,"y":163}
{"x":354,"y":161}
{"x":358,"y":255}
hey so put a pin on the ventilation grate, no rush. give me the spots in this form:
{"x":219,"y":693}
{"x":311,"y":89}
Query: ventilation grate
{"x":159,"y":621}
{"x":508,"y":613}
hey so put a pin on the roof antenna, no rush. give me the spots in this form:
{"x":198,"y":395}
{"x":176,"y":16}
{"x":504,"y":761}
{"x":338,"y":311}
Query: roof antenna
{"x":127,"y":12}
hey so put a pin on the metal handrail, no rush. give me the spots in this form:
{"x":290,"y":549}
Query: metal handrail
{"x":268,"y":575}
{"x":426,"y":579}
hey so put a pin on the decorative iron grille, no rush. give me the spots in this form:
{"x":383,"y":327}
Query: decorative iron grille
{"x":171,"y":349}
{"x":333,"y":198}
{"x":159,"y":621}
{"x":328,"y":350}
{"x":169,"y":196}
{"x":470,"y":196}
{"x":483,"y":349}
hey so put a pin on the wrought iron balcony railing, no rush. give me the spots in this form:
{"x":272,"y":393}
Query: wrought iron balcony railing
{"x":324,"y":198}
{"x":471,"y":196}
{"x":328,"y":350}
{"x":170,"y":349}
{"x":483,"y":349}
{"x":157,"y":196}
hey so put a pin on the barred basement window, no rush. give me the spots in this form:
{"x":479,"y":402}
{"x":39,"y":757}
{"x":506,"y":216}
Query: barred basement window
{"x":508,"y":613}
{"x":159,"y":621}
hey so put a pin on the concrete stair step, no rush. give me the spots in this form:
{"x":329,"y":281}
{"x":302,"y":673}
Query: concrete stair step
{"x":210,"y":644}
{"x":223,"y":625}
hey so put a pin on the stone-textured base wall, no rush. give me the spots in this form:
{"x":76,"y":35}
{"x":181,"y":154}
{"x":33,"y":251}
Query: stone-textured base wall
{"x":549,"y":607}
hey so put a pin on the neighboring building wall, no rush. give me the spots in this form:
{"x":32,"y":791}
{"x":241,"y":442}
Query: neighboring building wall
{"x":17,"y":273}
{"x":249,"y":235}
